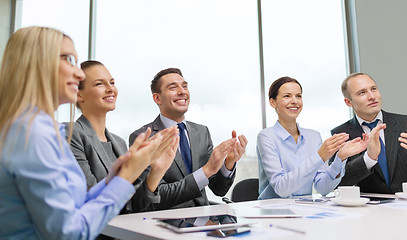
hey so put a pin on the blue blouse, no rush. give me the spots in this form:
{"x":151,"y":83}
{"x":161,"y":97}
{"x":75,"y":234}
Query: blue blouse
{"x":43,"y":190}
{"x":288,"y":169}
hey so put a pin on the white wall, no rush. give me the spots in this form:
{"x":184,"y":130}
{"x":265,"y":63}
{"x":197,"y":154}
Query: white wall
{"x":382,"y":40}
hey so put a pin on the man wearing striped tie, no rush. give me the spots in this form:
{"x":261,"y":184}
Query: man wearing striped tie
{"x":382,"y":168}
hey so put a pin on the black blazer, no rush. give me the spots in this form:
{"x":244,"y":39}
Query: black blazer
{"x":372,"y":181}
{"x":95,"y":163}
{"x":178,"y":189}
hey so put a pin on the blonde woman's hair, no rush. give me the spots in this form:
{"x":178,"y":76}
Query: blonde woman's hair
{"x":29,"y":75}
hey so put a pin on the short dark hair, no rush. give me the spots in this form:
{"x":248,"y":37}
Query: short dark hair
{"x":85,"y":65}
{"x":275,"y":86}
{"x":156,"y":83}
{"x":345,"y":83}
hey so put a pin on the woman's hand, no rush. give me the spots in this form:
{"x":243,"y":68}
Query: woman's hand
{"x":332,"y":145}
{"x":164,"y":158}
{"x":165,"y":148}
{"x":353,"y":147}
{"x":141,"y":155}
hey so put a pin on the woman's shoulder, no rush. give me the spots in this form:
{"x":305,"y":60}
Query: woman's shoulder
{"x":28,"y":129}
{"x":269,"y":130}
{"x":30,"y":136}
{"x":82,"y":128}
{"x":38,"y":125}
{"x":267,"y":133}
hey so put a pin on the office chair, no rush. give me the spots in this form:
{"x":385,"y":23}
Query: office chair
{"x":246,"y":190}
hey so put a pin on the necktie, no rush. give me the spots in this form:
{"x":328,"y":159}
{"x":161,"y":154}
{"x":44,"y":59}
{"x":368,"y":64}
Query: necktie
{"x":382,"y":155}
{"x":185,"y":149}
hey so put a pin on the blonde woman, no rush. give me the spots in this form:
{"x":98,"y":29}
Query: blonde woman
{"x":96,"y":148}
{"x":43,"y":190}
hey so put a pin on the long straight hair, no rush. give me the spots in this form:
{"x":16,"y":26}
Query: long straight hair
{"x":29,"y":76}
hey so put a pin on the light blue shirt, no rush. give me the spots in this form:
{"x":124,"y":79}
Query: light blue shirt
{"x":43,"y":190}
{"x":199,"y":175}
{"x":288,"y":169}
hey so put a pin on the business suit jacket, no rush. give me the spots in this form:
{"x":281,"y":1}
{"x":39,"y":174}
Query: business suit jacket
{"x":95,"y":163}
{"x":372,"y":181}
{"x":178,"y":189}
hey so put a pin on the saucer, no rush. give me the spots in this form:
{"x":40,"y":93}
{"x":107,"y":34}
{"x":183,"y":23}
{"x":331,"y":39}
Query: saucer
{"x":351,"y":202}
{"x":402,"y":195}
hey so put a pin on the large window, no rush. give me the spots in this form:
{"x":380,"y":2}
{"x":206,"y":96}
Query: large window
{"x":71,"y":17}
{"x":304,"y":40}
{"x":215,"y":46}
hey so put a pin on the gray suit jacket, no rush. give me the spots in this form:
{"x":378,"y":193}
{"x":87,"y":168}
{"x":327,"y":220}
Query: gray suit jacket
{"x":95,"y":163}
{"x":178,"y":189}
{"x":372,"y":181}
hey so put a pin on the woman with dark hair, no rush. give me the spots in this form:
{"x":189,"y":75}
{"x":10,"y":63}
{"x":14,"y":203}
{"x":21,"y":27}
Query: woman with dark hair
{"x":291,"y":158}
{"x":96,"y":149}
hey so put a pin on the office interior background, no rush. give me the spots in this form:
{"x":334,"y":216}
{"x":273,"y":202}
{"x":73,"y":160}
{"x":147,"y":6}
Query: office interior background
{"x":230,"y":51}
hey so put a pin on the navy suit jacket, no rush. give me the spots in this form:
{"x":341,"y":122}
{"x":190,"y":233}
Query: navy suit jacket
{"x":372,"y":181}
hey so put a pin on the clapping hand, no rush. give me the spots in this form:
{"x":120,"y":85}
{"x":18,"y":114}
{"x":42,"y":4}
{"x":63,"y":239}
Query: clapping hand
{"x":330,"y":146}
{"x":236,"y":152}
{"x":139,"y":157}
{"x":164,"y":157}
{"x":373,"y":147}
{"x":353,"y":147}
{"x":219,"y":153}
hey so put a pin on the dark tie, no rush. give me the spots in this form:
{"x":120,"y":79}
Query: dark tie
{"x":382,"y":155}
{"x":185,"y":150}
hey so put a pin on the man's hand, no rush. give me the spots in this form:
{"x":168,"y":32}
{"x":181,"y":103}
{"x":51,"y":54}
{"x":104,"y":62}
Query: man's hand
{"x":353,"y":147}
{"x":236,"y":152}
{"x":219,"y":153}
{"x":137,"y":159}
{"x":373,"y":147}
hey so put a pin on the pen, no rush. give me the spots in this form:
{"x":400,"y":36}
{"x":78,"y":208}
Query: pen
{"x":288,"y":229}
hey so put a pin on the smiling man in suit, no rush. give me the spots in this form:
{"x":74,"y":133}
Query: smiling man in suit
{"x":196,"y":163}
{"x":382,"y":168}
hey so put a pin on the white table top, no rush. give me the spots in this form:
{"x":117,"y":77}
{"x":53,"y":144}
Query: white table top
{"x":319,"y":221}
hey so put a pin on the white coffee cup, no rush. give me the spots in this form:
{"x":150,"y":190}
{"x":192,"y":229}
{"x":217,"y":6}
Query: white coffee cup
{"x":349,"y":192}
{"x":404,"y":187}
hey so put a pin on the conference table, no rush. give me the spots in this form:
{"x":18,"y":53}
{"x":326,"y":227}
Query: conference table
{"x":322,"y":220}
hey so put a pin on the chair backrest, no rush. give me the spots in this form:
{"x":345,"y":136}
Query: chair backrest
{"x":246,"y":190}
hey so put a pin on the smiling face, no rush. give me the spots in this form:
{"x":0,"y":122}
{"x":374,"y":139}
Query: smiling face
{"x":365,"y":97}
{"x":99,"y":93}
{"x":69,"y":75}
{"x":288,"y":102}
{"x":173,"y":99}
